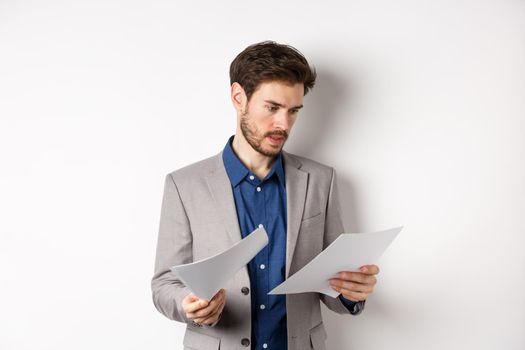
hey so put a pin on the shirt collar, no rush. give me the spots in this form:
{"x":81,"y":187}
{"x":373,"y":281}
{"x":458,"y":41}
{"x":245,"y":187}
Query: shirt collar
{"x":237,"y":171}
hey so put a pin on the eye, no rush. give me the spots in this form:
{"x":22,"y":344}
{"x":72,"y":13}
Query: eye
{"x":272,"y":108}
{"x":294,"y":111}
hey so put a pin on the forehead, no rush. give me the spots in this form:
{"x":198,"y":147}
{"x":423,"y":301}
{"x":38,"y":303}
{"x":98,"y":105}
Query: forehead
{"x":281,"y":92}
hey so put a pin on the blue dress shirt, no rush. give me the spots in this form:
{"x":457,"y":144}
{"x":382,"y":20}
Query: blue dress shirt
{"x":263,"y":202}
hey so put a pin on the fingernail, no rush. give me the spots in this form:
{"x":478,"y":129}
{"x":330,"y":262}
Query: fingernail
{"x":364,"y":269}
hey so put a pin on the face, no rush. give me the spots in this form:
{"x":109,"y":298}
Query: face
{"x":267,"y":119}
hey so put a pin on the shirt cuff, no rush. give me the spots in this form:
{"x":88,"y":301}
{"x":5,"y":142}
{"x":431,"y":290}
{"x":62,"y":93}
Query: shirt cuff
{"x":352,"y":306}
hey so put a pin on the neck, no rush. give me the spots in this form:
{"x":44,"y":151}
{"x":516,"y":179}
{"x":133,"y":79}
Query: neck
{"x":258,"y":163}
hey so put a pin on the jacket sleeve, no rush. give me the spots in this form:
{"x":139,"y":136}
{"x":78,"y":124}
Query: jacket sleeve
{"x":333,"y":228}
{"x":174,"y":247}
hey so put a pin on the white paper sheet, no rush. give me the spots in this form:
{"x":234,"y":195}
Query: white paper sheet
{"x":205,"y":277}
{"x":348,"y":252}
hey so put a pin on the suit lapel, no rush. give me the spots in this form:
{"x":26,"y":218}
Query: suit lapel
{"x":222,"y":194}
{"x":296,"y":185}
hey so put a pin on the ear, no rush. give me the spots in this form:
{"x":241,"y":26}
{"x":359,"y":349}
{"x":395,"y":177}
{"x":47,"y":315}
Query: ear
{"x":238,"y":97}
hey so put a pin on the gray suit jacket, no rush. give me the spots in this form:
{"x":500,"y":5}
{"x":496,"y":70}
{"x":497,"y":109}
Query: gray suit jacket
{"x":199,"y":219}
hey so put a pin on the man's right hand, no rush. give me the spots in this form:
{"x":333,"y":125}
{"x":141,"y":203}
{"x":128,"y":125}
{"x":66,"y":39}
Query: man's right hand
{"x":202,"y":311}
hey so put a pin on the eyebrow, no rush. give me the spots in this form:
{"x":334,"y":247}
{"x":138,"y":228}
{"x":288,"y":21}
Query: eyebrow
{"x":281,"y":105}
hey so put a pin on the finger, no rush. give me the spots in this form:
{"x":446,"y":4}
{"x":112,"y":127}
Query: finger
{"x":210,"y":319}
{"x":358,"y":277}
{"x":221,"y":298}
{"x":206,"y":320}
{"x":190,"y":298}
{"x":204,"y":312}
{"x":219,"y":294}
{"x":353,"y":296}
{"x":211,"y":310}
{"x":201,"y":320}
{"x":218,"y":297}
{"x":202,"y":308}
{"x":195,"y":305}
{"x":369,"y":269}
{"x":211,"y":315}
{"x":213,"y":305}
{"x":220,"y":304}
{"x":221,"y":307}
{"x":352,"y":286}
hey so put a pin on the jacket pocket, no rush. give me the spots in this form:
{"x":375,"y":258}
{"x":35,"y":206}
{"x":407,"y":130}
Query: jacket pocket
{"x":318,"y":337}
{"x":198,"y":341}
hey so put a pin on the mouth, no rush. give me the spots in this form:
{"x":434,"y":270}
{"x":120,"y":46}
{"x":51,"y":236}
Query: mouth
{"x":275,"y":140}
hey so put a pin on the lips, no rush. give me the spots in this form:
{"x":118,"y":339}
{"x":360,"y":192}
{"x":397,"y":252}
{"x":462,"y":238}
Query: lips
{"x":275,"y":139}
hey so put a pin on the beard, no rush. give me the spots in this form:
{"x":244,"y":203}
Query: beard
{"x":255,"y":138}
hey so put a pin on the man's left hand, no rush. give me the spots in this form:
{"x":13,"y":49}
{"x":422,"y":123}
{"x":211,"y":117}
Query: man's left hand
{"x":356,"y":286}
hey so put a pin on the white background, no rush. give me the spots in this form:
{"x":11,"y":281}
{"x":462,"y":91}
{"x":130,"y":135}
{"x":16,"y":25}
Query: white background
{"x":419,"y":105}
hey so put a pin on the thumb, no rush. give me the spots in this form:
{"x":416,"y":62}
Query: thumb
{"x":190,"y":298}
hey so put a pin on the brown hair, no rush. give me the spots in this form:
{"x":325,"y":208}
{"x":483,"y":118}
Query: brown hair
{"x":270,"y":61}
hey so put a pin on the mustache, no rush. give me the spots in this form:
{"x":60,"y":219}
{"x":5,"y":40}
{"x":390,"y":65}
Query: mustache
{"x":282,"y":133}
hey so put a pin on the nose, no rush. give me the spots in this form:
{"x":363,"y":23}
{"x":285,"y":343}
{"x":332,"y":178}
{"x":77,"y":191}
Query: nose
{"x":282,"y":120}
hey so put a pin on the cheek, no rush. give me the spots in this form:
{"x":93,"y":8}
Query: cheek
{"x":262,"y":121}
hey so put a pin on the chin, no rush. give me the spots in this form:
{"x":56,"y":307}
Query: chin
{"x":271,"y":151}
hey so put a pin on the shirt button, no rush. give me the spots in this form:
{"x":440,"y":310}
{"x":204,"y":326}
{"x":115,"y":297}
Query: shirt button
{"x":262,"y":307}
{"x":252,"y":177}
{"x":258,"y":189}
{"x":245,"y":342}
{"x":262,"y":266}
{"x":261,"y":225}
{"x":245,"y":290}
{"x":265,"y":345}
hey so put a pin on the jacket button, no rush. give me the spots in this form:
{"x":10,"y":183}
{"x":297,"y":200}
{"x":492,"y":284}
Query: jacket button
{"x":245,"y":342}
{"x":245,"y":290}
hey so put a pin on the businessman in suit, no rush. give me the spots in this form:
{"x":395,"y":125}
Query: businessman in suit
{"x":212,"y":204}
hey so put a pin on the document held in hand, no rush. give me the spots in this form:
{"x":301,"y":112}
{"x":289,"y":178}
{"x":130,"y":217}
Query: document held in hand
{"x":205,"y":277}
{"x":348,"y":252}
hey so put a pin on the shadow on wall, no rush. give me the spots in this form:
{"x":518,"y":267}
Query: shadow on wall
{"x":316,"y":132}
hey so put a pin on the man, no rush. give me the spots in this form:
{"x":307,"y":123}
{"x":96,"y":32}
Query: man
{"x":210,"y":205}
